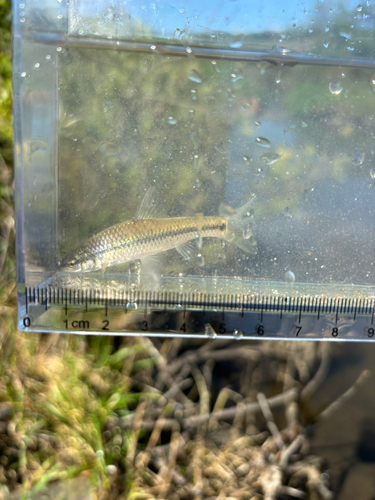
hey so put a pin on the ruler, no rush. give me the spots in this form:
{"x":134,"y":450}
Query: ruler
{"x":202,"y":315}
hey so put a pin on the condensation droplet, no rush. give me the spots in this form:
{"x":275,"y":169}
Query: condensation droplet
{"x":235,"y":78}
{"x":358,"y":158}
{"x":237,"y":334}
{"x":209,"y":331}
{"x":345,"y":35}
{"x":262,"y":141}
{"x":270,"y":158}
{"x":373,"y":83}
{"x":48,"y":57}
{"x":283,"y":50}
{"x":201,"y":260}
{"x":172,"y":120}
{"x":335,"y":87}
{"x":177,"y":307}
{"x":290,"y":277}
{"x":325,"y":44}
{"x":194,"y":76}
{"x":153,"y":47}
{"x":36,"y":65}
{"x":58,"y":49}
{"x":372,"y":173}
{"x":236,"y":45}
{"x":23,"y":74}
{"x":189,"y":50}
{"x":131,"y":306}
{"x":278,"y":77}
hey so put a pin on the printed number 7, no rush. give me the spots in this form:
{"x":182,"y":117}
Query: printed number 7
{"x":297,"y":330}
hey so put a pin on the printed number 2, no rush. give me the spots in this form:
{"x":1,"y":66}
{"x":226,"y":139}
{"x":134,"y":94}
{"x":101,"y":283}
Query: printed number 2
{"x":105,"y":325}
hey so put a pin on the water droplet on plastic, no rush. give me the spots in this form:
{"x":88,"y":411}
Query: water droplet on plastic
{"x":372,"y":173}
{"x":23,"y":74}
{"x":325,"y":44}
{"x":22,"y":20}
{"x":58,"y":49}
{"x":326,"y":29}
{"x":335,"y":87}
{"x":201,"y":260}
{"x":373,"y":83}
{"x":345,"y":35}
{"x":358,"y":158}
{"x":283,"y":50}
{"x":48,"y":57}
{"x":235,"y":78}
{"x":220,"y":147}
{"x":262,"y":141}
{"x":37,"y":65}
{"x":303,"y":125}
{"x":290,"y":277}
{"x":258,"y":124}
{"x":359,"y":8}
{"x":171,"y":120}
{"x":189,"y":50}
{"x":177,"y":307}
{"x":270,"y":158}
{"x":153,"y":47}
{"x":132,"y":306}
{"x":21,"y":5}
{"x":278,"y":77}
{"x":237,"y":334}
{"x":216,"y":67}
{"x":209,"y":331}
{"x":247,"y":159}
{"x":236,"y":45}
{"x":194,"y":76}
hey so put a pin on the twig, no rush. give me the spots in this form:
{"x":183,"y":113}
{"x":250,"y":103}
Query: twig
{"x":320,"y":375}
{"x":341,"y":399}
{"x":203,"y":355}
{"x":226,"y":414}
{"x":264,"y":406}
{"x":289,"y":451}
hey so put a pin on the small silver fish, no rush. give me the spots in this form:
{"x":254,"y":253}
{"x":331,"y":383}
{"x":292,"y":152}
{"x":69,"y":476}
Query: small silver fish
{"x":144,"y":237}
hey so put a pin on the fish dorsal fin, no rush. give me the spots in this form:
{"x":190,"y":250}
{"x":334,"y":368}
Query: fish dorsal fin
{"x":150,"y":207}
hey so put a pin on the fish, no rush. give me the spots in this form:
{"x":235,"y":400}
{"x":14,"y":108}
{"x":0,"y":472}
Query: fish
{"x":144,"y":237}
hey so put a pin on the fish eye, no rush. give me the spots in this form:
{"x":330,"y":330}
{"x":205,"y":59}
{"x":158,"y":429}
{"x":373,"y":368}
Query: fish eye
{"x":71,"y":263}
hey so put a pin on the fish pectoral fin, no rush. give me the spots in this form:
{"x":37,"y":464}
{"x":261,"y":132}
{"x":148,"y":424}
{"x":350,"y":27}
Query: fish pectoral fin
{"x":187,"y":250}
{"x":150,"y":272}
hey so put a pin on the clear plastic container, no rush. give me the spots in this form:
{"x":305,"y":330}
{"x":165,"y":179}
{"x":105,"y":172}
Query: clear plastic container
{"x":126,"y":110}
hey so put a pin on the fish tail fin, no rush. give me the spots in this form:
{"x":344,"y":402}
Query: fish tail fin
{"x":240,"y":226}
